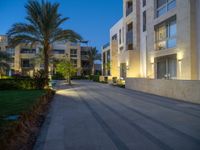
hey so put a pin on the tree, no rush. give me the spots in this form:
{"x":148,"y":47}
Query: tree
{"x":42,"y":27}
{"x":4,"y":58}
{"x":67,"y":69}
{"x":92,"y":56}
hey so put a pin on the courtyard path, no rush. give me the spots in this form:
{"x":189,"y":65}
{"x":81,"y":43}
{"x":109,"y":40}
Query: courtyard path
{"x":94,"y":116}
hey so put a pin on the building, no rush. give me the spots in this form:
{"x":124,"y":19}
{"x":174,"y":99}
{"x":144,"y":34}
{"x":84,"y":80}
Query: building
{"x":158,"y":39}
{"x":27,"y":59}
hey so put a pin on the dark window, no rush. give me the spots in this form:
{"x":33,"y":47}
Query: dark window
{"x":25,"y":63}
{"x":73,"y":53}
{"x":58,"y":51}
{"x":144,"y":3}
{"x":130,"y":26}
{"x":114,"y":37}
{"x":144,"y":21}
{"x":129,"y":7}
{"x":130,"y":46}
{"x":120,"y":36}
{"x":27,"y":51}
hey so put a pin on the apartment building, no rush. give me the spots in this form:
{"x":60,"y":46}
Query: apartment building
{"x":27,"y":59}
{"x":106,"y":66}
{"x":157,"y":39}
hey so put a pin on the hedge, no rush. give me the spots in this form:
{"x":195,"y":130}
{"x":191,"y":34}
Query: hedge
{"x":15,"y":84}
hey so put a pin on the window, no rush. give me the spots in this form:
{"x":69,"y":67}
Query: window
{"x":129,"y":7}
{"x":120,"y":36}
{"x":73,"y":53}
{"x":108,"y":55}
{"x":129,"y":36}
{"x":58,"y":51}
{"x":25,"y":63}
{"x":27,"y":51}
{"x":163,"y":6}
{"x":144,"y":3}
{"x":74,"y":62}
{"x":166,"y":35}
{"x":144,"y":21}
{"x":114,"y":37}
{"x":167,"y":67}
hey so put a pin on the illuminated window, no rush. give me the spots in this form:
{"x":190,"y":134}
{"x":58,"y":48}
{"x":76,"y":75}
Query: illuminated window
{"x":166,"y":35}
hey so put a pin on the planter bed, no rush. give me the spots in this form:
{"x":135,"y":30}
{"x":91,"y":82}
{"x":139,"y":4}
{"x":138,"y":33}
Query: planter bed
{"x":19,"y":130}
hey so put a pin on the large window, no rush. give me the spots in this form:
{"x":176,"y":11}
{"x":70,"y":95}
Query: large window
{"x":144,"y":3}
{"x":73,"y":53}
{"x":144,"y":21}
{"x":129,"y":7}
{"x":167,"y":67}
{"x":166,"y":34}
{"x":163,"y":6}
{"x":129,"y":36}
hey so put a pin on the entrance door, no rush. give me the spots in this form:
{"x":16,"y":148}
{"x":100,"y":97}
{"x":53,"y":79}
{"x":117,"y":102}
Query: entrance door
{"x":167,"y":67}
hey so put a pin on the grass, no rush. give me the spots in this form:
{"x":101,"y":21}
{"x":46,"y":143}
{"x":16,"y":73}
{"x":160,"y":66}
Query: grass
{"x":14,"y":102}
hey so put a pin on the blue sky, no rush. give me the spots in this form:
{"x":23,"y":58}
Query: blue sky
{"x":90,"y":18}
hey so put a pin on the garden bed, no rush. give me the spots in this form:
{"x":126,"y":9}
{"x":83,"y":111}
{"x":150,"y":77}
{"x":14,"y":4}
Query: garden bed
{"x":21,"y":115}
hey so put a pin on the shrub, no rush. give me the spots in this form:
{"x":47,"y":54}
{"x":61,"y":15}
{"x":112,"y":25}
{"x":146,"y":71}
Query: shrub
{"x":39,"y":79}
{"x":13,"y":84}
{"x":80,"y":78}
{"x":94,"y":78}
{"x":58,"y":76}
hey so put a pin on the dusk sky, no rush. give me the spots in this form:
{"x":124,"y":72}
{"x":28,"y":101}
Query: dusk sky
{"x":90,"y":18}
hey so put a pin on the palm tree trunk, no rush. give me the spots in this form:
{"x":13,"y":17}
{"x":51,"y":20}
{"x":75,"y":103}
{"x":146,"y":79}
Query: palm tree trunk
{"x":46,"y":63}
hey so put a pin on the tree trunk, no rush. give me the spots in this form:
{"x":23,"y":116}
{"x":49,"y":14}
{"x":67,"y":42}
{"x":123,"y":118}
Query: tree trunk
{"x":46,"y":63}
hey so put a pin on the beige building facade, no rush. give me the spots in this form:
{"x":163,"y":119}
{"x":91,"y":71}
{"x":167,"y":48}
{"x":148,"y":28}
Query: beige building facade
{"x":27,"y":59}
{"x":161,"y":40}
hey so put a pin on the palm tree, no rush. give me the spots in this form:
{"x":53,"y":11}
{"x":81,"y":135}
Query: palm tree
{"x":93,"y":55}
{"x":42,"y":27}
{"x":4,"y":57}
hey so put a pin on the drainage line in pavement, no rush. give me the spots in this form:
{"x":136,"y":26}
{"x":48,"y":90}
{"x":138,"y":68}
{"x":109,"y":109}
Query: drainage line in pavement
{"x":115,"y":139}
{"x":188,"y":137}
{"x":153,"y":102}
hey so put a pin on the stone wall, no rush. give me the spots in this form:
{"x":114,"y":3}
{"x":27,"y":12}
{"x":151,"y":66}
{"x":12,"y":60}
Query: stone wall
{"x":178,"y":89}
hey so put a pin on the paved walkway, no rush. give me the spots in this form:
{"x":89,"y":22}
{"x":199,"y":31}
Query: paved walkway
{"x":93,"y":116}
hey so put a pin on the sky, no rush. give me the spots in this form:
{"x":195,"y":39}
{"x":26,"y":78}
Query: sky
{"x":92,"y":19}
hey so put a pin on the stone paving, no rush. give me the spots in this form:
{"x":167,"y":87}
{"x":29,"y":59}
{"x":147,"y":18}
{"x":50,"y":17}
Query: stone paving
{"x":94,"y":116}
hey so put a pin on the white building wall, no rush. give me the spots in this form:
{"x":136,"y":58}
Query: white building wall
{"x":143,"y":45}
{"x":198,"y":34}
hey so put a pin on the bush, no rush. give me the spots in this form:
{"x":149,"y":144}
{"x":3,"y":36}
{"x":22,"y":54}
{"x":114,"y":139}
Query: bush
{"x":80,"y":78}
{"x":58,"y":76}
{"x":13,"y":84}
{"x":39,"y":80}
{"x":94,"y":78}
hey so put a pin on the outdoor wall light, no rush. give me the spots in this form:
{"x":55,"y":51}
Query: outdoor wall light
{"x":127,"y":67}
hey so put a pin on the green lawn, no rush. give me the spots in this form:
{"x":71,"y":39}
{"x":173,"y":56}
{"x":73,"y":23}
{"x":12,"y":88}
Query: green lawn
{"x":13,"y":102}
